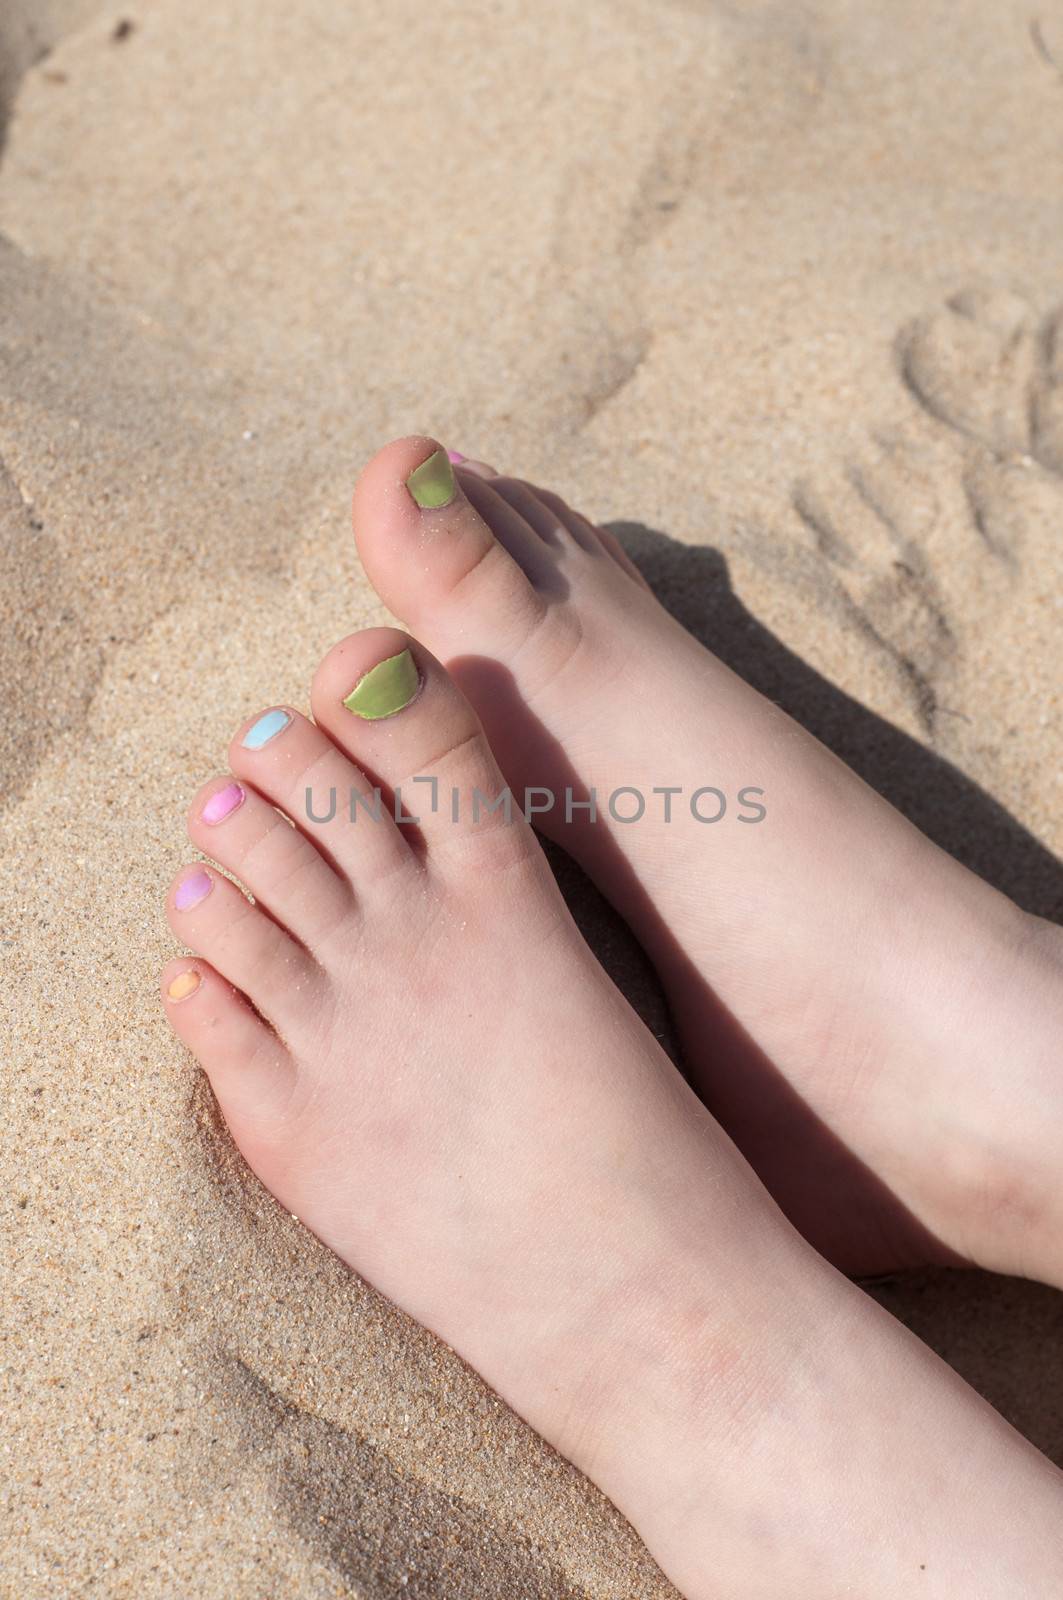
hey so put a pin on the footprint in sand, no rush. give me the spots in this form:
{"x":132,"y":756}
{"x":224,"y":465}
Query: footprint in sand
{"x":988,"y":367}
{"x":940,"y":538}
{"x":871,"y":520}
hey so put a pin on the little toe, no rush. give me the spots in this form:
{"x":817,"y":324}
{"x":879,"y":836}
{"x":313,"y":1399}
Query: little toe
{"x":249,"y":1068}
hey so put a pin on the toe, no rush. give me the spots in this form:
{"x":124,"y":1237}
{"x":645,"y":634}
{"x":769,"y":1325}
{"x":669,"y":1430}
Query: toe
{"x":249,"y":1069}
{"x":299,"y":769}
{"x":554,"y":519}
{"x":431,"y":554}
{"x":529,"y":546}
{"x":469,"y":464}
{"x":547,"y":513}
{"x":209,"y":914}
{"x":387,"y":701}
{"x":621,"y":557}
{"x":283,"y":867}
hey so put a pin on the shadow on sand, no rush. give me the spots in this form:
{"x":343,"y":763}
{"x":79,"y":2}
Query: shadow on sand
{"x":948,"y":807}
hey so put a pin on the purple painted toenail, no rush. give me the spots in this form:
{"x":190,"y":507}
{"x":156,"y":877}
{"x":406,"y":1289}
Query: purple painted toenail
{"x":222,"y":804}
{"x":191,"y":890}
{"x":456,"y":458}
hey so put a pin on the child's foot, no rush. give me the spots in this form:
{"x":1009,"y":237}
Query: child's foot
{"x":423,"y":1061}
{"x":878,"y":1029}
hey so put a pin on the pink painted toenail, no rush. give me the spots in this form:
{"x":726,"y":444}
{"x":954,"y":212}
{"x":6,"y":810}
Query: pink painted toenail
{"x":222,"y":804}
{"x":191,"y":890}
{"x":456,"y":458}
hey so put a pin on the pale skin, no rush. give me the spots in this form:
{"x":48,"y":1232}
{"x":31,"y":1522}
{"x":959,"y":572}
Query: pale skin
{"x":435,"y":1075}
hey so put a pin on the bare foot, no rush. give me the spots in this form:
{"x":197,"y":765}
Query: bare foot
{"x":423,"y":1061}
{"x":876,"y":1027}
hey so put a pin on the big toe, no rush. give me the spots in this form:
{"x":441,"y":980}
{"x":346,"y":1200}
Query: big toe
{"x":436,"y":560}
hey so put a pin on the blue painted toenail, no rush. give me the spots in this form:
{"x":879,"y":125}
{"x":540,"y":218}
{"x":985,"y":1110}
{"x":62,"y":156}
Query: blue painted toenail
{"x":266,"y":728}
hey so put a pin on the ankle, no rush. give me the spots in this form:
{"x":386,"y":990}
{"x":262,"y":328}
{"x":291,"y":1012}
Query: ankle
{"x":1039,"y":1010}
{"x":695,"y":1357}
{"x":772,"y":1430}
{"x":1014,"y":1199}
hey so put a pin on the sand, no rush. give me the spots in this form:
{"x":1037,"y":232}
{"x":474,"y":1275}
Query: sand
{"x":770,"y":287}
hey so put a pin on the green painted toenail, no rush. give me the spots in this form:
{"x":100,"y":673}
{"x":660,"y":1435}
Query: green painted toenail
{"x":432,"y":483}
{"x":385,"y":689}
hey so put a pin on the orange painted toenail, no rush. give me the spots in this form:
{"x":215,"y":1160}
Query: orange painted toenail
{"x":183,"y":985}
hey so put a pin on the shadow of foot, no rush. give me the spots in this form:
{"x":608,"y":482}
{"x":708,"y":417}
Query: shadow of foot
{"x":356,"y":1512}
{"x":946,"y":805}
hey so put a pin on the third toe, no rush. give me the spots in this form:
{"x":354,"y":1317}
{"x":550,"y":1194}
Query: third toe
{"x":283,"y":867}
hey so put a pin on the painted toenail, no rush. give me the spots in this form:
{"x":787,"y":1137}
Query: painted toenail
{"x":183,"y":985}
{"x":432,"y":483}
{"x":265,"y":729}
{"x":191,"y":890}
{"x":385,"y":689}
{"x":456,"y":458}
{"x":222,"y":804}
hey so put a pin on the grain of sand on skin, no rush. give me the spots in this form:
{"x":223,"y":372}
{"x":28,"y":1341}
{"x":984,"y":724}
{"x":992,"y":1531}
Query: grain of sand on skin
{"x":757,"y":315}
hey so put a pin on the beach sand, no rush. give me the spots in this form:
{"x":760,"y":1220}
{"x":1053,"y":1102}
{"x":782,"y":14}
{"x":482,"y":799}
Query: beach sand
{"x":775,"y":289}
